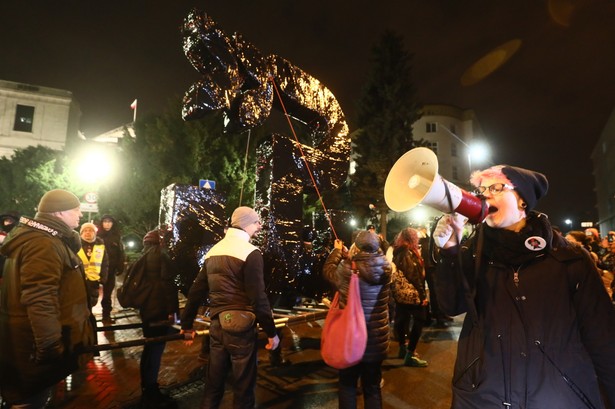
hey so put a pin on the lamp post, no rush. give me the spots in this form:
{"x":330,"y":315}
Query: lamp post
{"x":479,"y":151}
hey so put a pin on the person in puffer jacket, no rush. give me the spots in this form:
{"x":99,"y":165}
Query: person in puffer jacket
{"x":374,"y":280}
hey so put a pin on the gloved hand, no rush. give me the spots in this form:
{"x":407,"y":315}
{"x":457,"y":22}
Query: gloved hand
{"x":50,"y":354}
{"x":443,"y":233}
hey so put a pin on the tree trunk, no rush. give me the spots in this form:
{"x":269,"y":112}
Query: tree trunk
{"x":383,"y":222}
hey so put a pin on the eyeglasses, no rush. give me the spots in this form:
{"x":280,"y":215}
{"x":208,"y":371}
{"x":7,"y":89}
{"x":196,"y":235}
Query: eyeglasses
{"x":494,"y":189}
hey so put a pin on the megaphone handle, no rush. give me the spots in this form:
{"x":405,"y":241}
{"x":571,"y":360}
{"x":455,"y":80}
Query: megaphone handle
{"x":441,"y":241}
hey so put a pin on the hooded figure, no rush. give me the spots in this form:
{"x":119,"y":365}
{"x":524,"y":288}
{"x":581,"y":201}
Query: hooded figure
{"x":374,"y":277}
{"x":109,"y":232}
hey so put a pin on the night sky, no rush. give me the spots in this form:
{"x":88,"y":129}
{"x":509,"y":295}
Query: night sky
{"x":543,"y":108}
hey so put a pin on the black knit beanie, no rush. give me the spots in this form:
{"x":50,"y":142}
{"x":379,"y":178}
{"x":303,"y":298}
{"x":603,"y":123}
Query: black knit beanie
{"x":530,"y":185}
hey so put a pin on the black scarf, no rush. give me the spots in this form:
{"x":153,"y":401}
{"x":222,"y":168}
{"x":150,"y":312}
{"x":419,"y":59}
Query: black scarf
{"x":509,"y":247}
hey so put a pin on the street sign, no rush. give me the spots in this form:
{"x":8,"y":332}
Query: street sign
{"x":91,"y":197}
{"x":89,"y":207}
{"x":207,"y":184}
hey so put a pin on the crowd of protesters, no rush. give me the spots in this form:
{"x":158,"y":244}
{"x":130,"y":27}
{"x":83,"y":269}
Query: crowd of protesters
{"x":46,"y":259}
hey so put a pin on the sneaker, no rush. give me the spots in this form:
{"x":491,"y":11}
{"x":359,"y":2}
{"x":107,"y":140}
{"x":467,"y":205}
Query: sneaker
{"x":415,"y":361}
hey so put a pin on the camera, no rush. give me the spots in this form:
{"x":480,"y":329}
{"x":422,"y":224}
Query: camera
{"x":611,"y":237}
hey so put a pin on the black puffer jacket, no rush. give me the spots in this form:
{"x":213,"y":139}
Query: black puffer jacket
{"x":232,"y":279}
{"x":375,"y":277}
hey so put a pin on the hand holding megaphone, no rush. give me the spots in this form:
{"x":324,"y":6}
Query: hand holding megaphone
{"x":447,"y":225}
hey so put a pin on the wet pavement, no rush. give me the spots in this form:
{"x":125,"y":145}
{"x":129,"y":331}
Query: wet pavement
{"x":112,"y":380}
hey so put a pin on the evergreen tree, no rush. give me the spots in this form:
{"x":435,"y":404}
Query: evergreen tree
{"x":29,"y":173}
{"x":386,"y":111}
{"x":169,"y":150}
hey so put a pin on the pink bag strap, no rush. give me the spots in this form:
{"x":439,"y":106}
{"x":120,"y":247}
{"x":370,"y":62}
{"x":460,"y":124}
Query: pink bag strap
{"x":353,"y":268}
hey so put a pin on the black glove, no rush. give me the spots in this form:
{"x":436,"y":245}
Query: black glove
{"x":50,"y":354}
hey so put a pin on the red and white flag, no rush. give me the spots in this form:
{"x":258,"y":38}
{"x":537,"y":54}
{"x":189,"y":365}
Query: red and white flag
{"x":133,"y":106}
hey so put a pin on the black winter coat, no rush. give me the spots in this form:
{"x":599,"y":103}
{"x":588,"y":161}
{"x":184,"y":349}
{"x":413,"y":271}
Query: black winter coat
{"x":374,"y":282}
{"x":159,"y":282}
{"x":545,"y":330}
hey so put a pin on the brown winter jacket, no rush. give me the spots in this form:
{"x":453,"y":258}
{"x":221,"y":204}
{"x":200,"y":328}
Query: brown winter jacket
{"x":44,"y":312}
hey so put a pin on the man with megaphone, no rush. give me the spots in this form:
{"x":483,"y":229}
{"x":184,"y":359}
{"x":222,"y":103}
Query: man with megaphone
{"x":539,"y":330}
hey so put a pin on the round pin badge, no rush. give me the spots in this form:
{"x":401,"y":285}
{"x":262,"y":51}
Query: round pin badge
{"x":535,"y":243}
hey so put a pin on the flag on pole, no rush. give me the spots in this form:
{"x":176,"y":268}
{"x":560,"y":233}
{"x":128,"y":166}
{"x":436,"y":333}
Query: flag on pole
{"x":133,"y":106}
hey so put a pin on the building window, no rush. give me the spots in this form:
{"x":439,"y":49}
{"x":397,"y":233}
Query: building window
{"x":430,"y":127}
{"x":454,"y":150}
{"x":24,"y":115}
{"x":455,"y":173}
{"x":433,"y":146}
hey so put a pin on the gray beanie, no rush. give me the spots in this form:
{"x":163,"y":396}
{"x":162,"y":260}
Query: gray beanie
{"x":58,"y":200}
{"x":243,"y":217}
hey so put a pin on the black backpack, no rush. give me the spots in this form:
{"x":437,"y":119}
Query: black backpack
{"x":134,"y":290}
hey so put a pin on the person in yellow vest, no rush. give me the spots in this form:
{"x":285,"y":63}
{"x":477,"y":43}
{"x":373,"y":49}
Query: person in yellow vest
{"x":95,"y":260}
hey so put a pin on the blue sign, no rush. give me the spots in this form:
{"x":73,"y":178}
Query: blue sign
{"x":207,"y":184}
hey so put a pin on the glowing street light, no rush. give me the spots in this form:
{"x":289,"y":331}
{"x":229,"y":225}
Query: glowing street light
{"x":95,"y":166}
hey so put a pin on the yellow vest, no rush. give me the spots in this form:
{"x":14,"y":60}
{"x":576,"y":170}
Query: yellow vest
{"x":94,"y":264}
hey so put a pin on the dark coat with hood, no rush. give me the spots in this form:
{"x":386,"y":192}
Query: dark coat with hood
{"x":374,"y":280}
{"x":113,"y":245}
{"x":158,"y":281}
{"x":540,"y":329}
{"x":44,"y":311}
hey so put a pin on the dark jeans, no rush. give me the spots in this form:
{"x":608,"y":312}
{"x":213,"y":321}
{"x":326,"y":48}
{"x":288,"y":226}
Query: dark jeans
{"x":92,"y":292}
{"x":152,"y":355}
{"x":35,"y":401}
{"x":370,"y":374}
{"x":230,"y":352}
{"x":405,"y":315}
{"x":108,"y":287}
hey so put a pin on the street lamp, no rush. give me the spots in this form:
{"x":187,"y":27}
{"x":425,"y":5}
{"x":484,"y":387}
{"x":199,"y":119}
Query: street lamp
{"x":478,"y":151}
{"x":568,"y":223}
{"x":95,"y":166}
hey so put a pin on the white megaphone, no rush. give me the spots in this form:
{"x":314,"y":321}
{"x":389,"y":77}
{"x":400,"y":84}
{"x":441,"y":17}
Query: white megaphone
{"x":414,"y":180}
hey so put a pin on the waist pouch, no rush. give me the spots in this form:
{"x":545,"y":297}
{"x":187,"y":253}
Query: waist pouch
{"x":236,"y":321}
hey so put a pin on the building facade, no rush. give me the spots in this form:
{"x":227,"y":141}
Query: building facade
{"x":603,"y":160}
{"x":449,"y":132}
{"x":32,"y":115}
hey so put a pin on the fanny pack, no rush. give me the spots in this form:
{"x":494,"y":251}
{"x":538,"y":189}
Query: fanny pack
{"x":236,"y":321}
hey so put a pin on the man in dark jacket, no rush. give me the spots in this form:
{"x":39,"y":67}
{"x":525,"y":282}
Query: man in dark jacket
{"x":110,"y":233}
{"x":44,"y":312}
{"x":232,"y":279}
{"x":540,"y":329}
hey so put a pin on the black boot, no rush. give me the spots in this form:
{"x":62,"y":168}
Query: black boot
{"x":153,"y":398}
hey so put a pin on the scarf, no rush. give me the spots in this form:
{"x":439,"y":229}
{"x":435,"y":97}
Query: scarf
{"x":517,"y":248}
{"x":52,"y":224}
